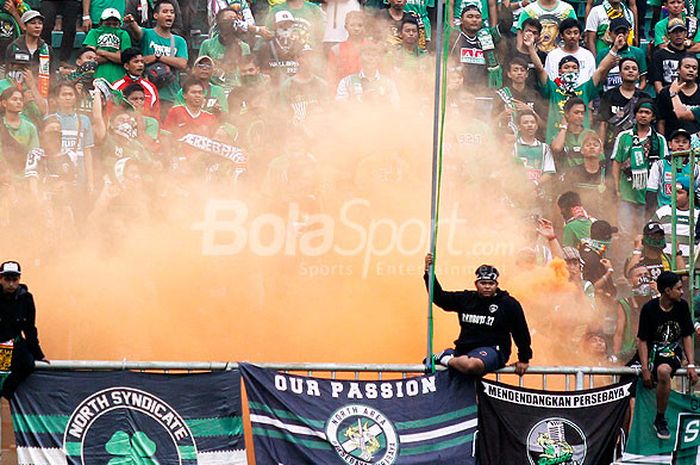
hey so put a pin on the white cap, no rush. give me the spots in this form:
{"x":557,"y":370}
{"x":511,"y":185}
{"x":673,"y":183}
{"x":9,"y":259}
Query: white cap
{"x":283,"y":16}
{"x":110,"y":13}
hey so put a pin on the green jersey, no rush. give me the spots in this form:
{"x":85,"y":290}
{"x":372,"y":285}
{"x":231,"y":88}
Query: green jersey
{"x":420,"y":8}
{"x":574,"y":230}
{"x":557,"y":99}
{"x":152,"y":43}
{"x":622,"y":153}
{"x":112,"y":40}
{"x":25,"y":134}
{"x":660,"y":33}
{"x":536,"y":158}
{"x":225,"y":76}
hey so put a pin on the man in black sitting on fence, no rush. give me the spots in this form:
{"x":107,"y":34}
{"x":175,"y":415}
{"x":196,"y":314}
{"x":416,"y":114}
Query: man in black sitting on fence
{"x":488,"y":317}
{"x":17,"y":324}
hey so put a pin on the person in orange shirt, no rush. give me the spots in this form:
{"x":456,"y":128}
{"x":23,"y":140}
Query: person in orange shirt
{"x":344,"y":57}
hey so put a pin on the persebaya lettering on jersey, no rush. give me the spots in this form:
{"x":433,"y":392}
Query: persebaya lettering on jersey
{"x":109,"y":41}
{"x":309,"y":387}
{"x":472,"y":56}
{"x":163,"y":50}
{"x":478,"y":319}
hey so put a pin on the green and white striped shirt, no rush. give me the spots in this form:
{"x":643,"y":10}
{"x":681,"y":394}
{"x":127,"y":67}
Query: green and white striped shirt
{"x":683,"y":236}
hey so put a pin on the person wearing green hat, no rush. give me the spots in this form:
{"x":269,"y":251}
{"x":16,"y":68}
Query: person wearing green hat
{"x":633,"y":154}
{"x":664,"y":216}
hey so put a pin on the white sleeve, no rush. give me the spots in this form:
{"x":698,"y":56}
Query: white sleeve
{"x":593,"y":20}
{"x":548,"y":160}
{"x":551,"y":64}
{"x":342,"y":93}
{"x":654,"y":176}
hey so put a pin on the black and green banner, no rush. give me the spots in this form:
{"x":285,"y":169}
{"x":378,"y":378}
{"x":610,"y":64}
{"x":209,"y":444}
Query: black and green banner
{"x":532,"y":427}
{"x":303,"y":420}
{"x":119,"y":418}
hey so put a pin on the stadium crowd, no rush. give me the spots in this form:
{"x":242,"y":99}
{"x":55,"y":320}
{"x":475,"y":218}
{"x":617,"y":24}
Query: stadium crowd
{"x":110,"y":105}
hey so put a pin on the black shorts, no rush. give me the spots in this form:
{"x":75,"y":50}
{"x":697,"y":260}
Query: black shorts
{"x":673,"y":362}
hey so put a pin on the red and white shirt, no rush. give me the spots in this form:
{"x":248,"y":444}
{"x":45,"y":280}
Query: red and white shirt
{"x":152,"y":105}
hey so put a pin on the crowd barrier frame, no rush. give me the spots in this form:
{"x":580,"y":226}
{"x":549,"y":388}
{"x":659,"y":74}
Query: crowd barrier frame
{"x":576,"y":378}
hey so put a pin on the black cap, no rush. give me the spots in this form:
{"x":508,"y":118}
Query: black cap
{"x":653,"y":227}
{"x":10,"y":268}
{"x":619,"y":23}
{"x":602,"y":231}
{"x":680,"y":132}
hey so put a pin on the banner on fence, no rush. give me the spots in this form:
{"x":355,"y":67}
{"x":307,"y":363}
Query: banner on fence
{"x":115,"y":418}
{"x":525,"y":426}
{"x":421,"y":420}
{"x":643,"y":445}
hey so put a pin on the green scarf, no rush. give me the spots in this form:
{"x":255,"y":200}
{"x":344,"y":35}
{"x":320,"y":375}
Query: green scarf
{"x":597,"y":246}
{"x":638,"y":161}
{"x":494,"y":68}
{"x":507,"y":96}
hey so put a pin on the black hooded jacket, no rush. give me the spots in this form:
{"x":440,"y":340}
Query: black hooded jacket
{"x":486,"y":322}
{"x":18,"y":319}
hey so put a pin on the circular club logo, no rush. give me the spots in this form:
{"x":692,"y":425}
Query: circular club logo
{"x":556,"y":441}
{"x":127,"y":425}
{"x":362,"y":435}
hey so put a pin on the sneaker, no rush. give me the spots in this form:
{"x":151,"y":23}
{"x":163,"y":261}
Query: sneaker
{"x":661,"y":427}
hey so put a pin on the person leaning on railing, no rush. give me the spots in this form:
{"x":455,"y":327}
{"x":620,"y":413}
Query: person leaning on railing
{"x":17,"y":328}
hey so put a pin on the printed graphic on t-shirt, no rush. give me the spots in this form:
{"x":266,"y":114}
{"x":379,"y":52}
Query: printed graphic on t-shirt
{"x":109,"y":40}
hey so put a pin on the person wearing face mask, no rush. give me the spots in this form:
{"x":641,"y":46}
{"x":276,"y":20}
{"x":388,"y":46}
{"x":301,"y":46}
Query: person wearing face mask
{"x":278,"y":56}
{"x":109,"y":40}
{"x":564,"y":87}
{"x":597,"y":268}
{"x":309,"y":21}
{"x":488,"y":318}
{"x":122,"y":141}
{"x":642,"y":289}
{"x":570,"y":35}
{"x":83,"y":77}
{"x":649,"y":252}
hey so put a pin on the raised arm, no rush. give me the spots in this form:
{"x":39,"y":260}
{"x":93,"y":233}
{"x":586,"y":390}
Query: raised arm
{"x":529,"y":42}
{"x":131,"y":23}
{"x":610,"y":60}
{"x":445,"y":300}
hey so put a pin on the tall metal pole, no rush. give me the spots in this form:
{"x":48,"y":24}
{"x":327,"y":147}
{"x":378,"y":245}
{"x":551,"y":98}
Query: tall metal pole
{"x":439,"y":38}
{"x":691,"y":237}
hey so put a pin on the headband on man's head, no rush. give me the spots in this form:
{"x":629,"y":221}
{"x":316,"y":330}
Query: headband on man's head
{"x":486,"y":273}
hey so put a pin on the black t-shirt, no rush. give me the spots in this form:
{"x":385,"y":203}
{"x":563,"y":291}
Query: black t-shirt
{"x":468,"y":53}
{"x":513,"y":52}
{"x":664,"y":65}
{"x":593,"y":270}
{"x":665,"y":109}
{"x":595,"y":188}
{"x":618,"y":111}
{"x":664,"y":331}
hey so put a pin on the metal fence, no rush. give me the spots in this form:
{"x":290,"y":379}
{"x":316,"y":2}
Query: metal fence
{"x":566,"y":378}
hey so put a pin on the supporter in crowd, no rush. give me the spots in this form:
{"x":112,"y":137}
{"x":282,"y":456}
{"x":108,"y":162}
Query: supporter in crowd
{"x":309,"y":20}
{"x":649,"y":252}
{"x":566,"y":145}
{"x":621,"y":26}
{"x":215,"y":100}
{"x":190,"y":118}
{"x":550,"y":13}
{"x":305,"y":92}
{"x":133,"y":63}
{"x":570,"y":35}
{"x":164,"y":53}
{"x":666,"y":60}
{"x":344,"y":57}
{"x":662,"y":29}
{"x":635,"y":151}
{"x":589,"y":178}
{"x":659,"y":186}
{"x":642,"y":289}
{"x":31,"y":44}
{"x":17,"y":134}
{"x":369,"y":85}
{"x":109,"y":40}
{"x":603,"y":22}
{"x":531,"y":29}
{"x":518,"y":97}
{"x":482,"y":348}
{"x":278,"y":55}
{"x":535,"y":154}
{"x":19,"y":326}
{"x":664,"y":216}
{"x":577,"y":223}
{"x":661,"y":349}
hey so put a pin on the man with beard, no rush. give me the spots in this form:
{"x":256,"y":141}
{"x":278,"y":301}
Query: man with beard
{"x":17,"y":327}
{"x":488,"y":318}
{"x":643,"y":289}
{"x":664,"y":335}
{"x":278,"y":56}
{"x":164,"y":53}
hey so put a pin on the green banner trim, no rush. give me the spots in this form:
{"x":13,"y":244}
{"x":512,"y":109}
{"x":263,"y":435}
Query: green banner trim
{"x":458,"y":441}
{"x":277,"y":434}
{"x":462,"y":413}
{"x":319,"y":424}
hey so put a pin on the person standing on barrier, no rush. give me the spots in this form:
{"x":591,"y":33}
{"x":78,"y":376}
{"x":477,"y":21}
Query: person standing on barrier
{"x":17,"y":328}
{"x":665,"y":333}
{"x":488,"y":317}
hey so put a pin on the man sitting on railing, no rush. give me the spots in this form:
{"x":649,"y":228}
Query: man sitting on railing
{"x":488,"y":317}
{"x":665,"y":333}
{"x":17,"y":327}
